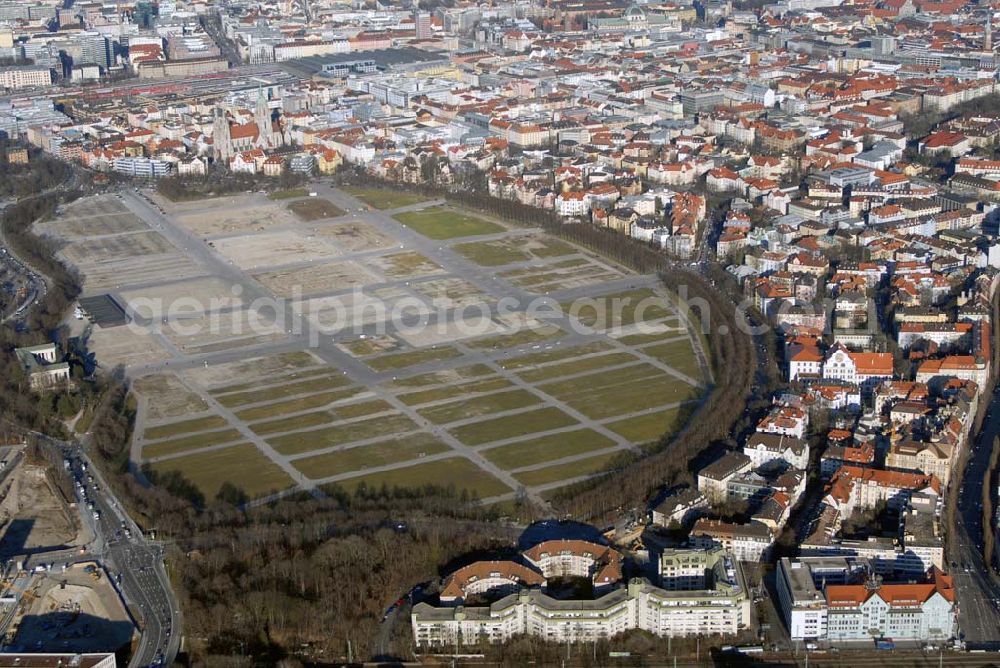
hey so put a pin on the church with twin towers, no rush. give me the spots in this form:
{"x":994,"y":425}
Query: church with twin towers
{"x":263,"y":132}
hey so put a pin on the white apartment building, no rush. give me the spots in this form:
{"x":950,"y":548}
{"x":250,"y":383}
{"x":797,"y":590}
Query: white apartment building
{"x":723,"y":609}
{"x":821,"y":598}
{"x":897,"y":611}
{"x":763,"y":448}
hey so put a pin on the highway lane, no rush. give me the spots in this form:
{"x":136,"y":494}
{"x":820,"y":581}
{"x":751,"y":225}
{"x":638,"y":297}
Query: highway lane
{"x":978,"y":591}
{"x":135,"y":564}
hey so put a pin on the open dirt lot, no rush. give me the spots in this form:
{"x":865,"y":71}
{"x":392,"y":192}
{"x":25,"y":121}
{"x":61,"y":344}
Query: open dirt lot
{"x":116,"y":247}
{"x":407,"y":264}
{"x":247,"y":372}
{"x":124,"y":345}
{"x":33,"y":514}
{"x":75,"y":227}
{"x":451,"y":293}
{"x":221,"y":331}
{"x":182,"y":297}
{"x":124,"y":272}
{"x":73,"y":612}
{"x":562,"y":274}
{"x":274,"y":248}
{"x":356,"y":237}
{"x":453,"y":330}
{"x":314,"y":208}
{"x":236,"y":215}
{"x":314,"y":280}
{"x":349,"y":312}
{"x":164,"y":396}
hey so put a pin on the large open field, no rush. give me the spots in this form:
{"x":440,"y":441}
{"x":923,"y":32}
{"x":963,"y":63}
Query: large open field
{"x":402,"y":364}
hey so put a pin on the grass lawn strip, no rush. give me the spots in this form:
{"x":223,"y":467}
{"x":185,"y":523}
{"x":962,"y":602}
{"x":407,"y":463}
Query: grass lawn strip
{"x":546,"y":448}
{"x":243,"y":465}
{"x":304,"y":441}
{"x":369,"y":456}
{"x":412,"y":358}
{"x":308,"y":386}
{"x":483,"y":405}
{"x":567,"y":471}
{"x":534,"y":359}
{"x":452,"y":391}
{"x":512,"y":426}
{"x":319,"y":418}
{"x":296,"y":405}
{"x":173,"y":446}
{"x":603,"y":395}
{"x":647,"y":428}
{"x":678,"y":355}
{"x":456,"y":471}
{"x":184,"y":427}
{"x":576,"y":366}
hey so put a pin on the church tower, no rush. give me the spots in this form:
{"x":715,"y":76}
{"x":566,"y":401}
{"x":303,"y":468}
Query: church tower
{"x":222,"y":144}
{"x":262,"y":115}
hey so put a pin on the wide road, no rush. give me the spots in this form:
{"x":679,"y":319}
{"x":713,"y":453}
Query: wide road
{"x":135,"y":563}
{"x":978,"y":592}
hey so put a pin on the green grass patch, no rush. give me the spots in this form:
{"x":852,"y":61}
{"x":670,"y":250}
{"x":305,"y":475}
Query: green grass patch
{"x":369,"y":456}
{"x":499,"y":252}
{"x":512,"y":426}
{"x":478,"y":406}
{"x":652,"y":337}
{"x":440,"y":223}
{"x":678,"y":355}
{"x":242,"y":465}
{"x":546,"y":448}
{"x":534,"y":359}
{"x":176,"y":445}
{"x":381,"y":198}
{"x":580,"y":467}
{"x":576,"y":366}
{"x":288,"y":194}
{"x":311,"y":385}
{"x":184,"y":427}
{"x":521,"y":337}
{"x":607,"y":394}
{"x":452,"y":391}
{"x":315,"y":208}
{"x":456,"y":471}
{"x":295,"y":405}
{"x":412,"y":358}
{"x":387,"y":425}
{"x":650,"y":427}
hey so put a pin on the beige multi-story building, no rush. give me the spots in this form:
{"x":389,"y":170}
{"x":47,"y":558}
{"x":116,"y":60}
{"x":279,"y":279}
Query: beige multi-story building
{"x":15,"y":78}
